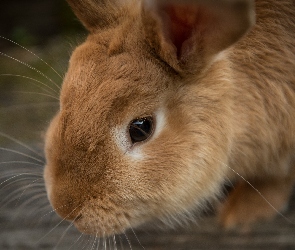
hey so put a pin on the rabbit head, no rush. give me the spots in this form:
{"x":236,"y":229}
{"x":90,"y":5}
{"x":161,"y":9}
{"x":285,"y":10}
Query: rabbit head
{"x":144,"y":125}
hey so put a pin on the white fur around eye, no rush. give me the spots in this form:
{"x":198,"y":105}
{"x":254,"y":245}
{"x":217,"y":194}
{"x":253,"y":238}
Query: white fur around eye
{"x":121,"y":137}
{"x":160,"y":123}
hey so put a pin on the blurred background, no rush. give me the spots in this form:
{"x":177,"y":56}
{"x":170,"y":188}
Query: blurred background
{"x":34,"y":22}
{"x":36,"y":40}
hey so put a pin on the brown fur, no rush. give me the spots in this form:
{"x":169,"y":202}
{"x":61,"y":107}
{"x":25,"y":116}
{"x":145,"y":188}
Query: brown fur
{"x":224,"y":114}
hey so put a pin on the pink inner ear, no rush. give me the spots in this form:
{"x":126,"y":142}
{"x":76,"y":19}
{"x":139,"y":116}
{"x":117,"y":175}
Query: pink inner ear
{"x":182,"y":21}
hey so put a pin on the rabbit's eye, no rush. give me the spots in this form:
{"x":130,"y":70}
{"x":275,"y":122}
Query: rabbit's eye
{"x":141,"y":129}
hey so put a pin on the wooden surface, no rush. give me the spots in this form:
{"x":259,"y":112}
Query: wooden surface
{"x":28,"y":226}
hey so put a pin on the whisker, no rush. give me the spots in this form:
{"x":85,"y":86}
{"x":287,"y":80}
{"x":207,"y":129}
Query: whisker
{"x":26,"y":188}
{"x":94,"y":242}
{"x":104,"y":244}
{"x":36,"y":196}
{"x":8,"y":200}
{"x":76,"y":241}
{"x":129,"y":243}
{"x":36,"y":81}
{"x":39,"y":194}
{"x":64,"y":233}
{"x":31,"y":52}
{"x":115,"y":243}
{"x":21,"y":162}
{"x":87,"y":243}
{"x":15,"y":176}
{"x":34,"y":213}
{"x":21,"y":181}
{"x":20,"y":143}
{"x":57,"y":225}
{"x":7,"y":178}
{"x":37,"y":93}
{"x":53,"y":211}
{"x":20,"y":153}
{"x":30,"y":67}
{"x":43,"y":207}
{"x":98,"y":243}
{"x":121,"y":244}
{"x":136,"y":236}
{"x":262,"y":196}
{"x":28,"y":106}
{"x":256,"y":190}
{"x":19,"y":188}
{"x":109,"y":242}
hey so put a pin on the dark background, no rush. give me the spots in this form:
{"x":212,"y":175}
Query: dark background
{"x":35,"y":21}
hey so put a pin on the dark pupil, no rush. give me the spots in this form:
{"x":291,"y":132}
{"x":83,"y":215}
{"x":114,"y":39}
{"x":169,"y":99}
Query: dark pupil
{"x":140,"y":129}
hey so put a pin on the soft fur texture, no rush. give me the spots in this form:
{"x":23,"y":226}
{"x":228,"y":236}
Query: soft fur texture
{"x":221,"y":90}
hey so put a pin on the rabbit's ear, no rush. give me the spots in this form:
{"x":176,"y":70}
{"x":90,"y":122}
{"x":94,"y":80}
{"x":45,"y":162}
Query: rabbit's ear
{"x":187,"y":26}
{"x":96,"y":14}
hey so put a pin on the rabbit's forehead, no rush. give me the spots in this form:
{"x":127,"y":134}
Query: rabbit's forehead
{"x":102,"y":84}
{"x":115,"y":82}
{"x":92,"y":66}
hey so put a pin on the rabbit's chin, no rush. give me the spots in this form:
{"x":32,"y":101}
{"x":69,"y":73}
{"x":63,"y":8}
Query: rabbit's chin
{"x":92,"y":226}
{"x":104,"y":221}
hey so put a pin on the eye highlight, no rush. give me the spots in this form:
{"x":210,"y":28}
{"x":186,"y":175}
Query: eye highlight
{"x":141,"y":129}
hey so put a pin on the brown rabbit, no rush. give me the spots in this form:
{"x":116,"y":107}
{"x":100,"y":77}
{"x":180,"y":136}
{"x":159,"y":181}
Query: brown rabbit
{"x":165,"y":102}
